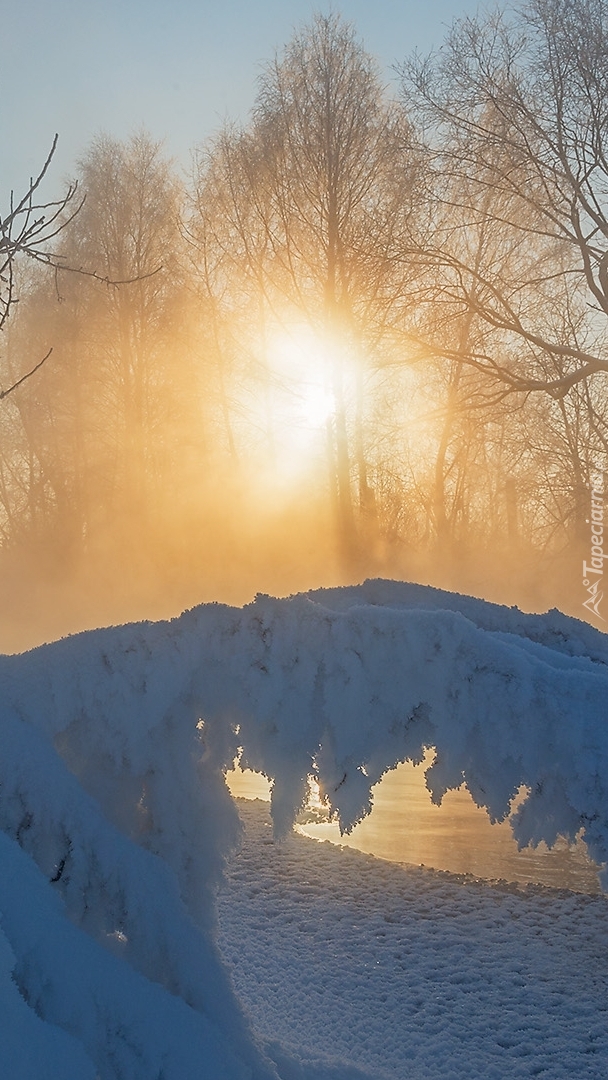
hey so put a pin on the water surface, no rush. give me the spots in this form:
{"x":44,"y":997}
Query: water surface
{"x":406,"y":827}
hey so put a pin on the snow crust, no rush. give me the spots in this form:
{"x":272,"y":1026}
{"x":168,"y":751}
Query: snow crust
{"x":406,"y":973}
{"x":116,"y":821}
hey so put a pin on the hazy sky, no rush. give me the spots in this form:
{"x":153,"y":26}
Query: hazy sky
{"x":176,"y":67}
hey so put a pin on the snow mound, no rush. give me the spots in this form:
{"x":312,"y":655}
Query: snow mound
{"x":116,"y":819}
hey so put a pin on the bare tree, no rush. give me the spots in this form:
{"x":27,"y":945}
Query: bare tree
{"x":97,"y":440}
{"x":312,"y":202}
{"x":28,"y":230}
{"x":515,"y":116}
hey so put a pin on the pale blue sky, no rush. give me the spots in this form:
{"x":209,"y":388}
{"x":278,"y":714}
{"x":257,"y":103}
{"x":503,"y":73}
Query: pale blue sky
{"x":176,"y":67}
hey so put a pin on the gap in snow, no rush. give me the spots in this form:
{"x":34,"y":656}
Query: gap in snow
{"x":247,"y":784}
{"x":406,"y":827}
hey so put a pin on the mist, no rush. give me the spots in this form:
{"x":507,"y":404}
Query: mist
{"x":332,"y":352}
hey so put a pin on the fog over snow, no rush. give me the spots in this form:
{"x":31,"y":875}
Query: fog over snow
{"x":118,"y":827}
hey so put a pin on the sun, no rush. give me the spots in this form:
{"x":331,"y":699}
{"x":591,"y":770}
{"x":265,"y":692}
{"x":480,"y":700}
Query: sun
{"x":299,"y":353}
{"x":299,"y":366}
{"x":295,"y":403}
{"x":315,"y":405}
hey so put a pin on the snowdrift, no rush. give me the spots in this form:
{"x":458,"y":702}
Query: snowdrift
{"x":116,"y":819}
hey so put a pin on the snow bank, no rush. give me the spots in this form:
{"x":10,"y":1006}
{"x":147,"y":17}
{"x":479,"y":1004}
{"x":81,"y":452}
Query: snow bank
{"x":406,"y":972}
{"x":117,"y":819}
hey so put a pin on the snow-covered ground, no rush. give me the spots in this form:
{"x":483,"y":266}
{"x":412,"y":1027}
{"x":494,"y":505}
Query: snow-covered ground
{"x":409,"y":973}
{"x":116,"y":824}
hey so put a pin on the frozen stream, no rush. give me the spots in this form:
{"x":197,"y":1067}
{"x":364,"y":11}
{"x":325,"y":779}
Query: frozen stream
{"x":353,"y":968}
{"x":406,"y":827}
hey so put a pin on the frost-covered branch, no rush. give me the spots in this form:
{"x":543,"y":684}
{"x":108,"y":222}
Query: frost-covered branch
{"x":114,"y":747}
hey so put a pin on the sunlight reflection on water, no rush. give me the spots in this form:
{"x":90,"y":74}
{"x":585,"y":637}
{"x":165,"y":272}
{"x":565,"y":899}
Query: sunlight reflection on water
{"x":406,"y":827}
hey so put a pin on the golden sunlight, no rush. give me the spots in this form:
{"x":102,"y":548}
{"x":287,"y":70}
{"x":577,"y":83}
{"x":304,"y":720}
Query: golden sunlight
{"x":300,"y":355}
{"x":315,"y":405}
{"x":300,"y":398}
{"x":299,"y":363}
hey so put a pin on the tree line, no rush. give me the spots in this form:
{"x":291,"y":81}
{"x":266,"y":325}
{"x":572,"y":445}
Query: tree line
{"x":432,"y":264}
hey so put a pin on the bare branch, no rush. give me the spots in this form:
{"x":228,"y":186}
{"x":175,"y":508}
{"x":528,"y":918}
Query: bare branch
{"x":28,"y":375}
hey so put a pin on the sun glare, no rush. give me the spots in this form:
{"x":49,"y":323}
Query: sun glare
{"x":315,"y":405}
{"x":299,"y":353}
{"x":301,"y":398}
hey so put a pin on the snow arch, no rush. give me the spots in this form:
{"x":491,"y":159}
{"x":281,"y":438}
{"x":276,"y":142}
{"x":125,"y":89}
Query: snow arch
{"x":115,"y":812}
